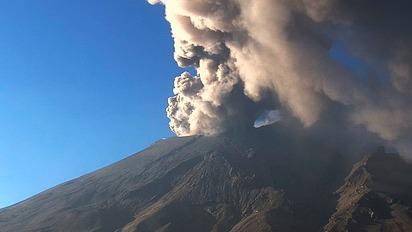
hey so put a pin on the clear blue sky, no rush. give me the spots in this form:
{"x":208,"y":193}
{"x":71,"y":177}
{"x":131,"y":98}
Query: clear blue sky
{"x":82,"y":84}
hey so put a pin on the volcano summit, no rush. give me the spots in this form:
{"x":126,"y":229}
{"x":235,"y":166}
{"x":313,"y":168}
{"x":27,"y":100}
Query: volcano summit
{"x":229,"y":182}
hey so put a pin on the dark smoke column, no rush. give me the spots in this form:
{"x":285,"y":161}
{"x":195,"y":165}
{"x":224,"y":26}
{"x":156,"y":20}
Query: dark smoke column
{"x":279,"y":51}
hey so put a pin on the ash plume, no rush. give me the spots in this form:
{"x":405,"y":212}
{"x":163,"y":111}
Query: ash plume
{"x":248,"y":53}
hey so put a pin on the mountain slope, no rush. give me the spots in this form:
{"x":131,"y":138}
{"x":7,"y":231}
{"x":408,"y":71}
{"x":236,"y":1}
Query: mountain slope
{"x":376,"y":196}
{"x":263,"y":180}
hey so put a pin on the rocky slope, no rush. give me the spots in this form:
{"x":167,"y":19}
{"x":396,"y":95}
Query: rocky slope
{"x":263,"y":180}
{"x":376,"y":196}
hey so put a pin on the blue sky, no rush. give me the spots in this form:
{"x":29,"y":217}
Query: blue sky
{"x":82,"y":84}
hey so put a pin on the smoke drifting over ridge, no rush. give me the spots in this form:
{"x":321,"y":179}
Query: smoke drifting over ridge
{"x":253,"y":56}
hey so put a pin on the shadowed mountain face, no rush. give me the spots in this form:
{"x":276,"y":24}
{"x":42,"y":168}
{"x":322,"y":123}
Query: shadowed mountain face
{"x":376,"y":196}
{"x":263,"y":180}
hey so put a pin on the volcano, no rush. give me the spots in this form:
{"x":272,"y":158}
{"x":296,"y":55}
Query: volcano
{"x":267,"y":179}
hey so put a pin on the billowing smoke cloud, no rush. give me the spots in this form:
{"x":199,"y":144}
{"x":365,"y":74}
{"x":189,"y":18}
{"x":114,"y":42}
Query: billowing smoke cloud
{"x":251,"y":53}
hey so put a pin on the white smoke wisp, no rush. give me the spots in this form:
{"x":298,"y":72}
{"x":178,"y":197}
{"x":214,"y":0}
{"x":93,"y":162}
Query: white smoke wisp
{"x":249,"y":51}
{"x":268,"y":117}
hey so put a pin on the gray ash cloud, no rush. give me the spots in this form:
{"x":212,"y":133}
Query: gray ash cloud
{"x":249,"y":53}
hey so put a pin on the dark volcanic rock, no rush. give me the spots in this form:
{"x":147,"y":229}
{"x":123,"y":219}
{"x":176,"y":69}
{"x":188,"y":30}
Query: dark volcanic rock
{"x":263,"y":180}
{"x":377,"y":196}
